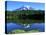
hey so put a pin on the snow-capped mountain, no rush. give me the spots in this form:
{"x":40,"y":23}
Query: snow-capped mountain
{"x":25,"y":8}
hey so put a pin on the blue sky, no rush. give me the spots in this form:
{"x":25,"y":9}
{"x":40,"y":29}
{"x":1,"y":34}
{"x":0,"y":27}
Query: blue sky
{"x":13,"y":5}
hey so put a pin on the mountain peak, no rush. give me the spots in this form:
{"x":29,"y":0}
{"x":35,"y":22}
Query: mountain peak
{"x":25,"y":8}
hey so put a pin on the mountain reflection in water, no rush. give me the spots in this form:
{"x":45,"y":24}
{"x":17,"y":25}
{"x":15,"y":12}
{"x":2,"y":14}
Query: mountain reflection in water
{"x":14,"y":26}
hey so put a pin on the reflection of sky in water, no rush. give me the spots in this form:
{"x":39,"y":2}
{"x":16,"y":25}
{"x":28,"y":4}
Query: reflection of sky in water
{"x":13,"y":26}
{"x":39,"y":26}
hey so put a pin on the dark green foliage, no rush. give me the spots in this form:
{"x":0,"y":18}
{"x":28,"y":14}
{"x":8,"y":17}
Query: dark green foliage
{"x":25,"y":16}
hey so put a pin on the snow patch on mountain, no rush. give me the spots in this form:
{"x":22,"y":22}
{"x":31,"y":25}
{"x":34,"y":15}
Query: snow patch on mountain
{"x":25,"y":8}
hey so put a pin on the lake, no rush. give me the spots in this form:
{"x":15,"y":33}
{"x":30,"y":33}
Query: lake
{"x":14,"y":26}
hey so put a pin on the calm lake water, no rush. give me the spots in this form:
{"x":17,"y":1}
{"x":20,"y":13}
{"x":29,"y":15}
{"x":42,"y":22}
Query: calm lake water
{"x":14,"y":26}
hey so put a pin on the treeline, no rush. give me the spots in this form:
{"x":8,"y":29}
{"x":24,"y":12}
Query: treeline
{"x":26,"y":14}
